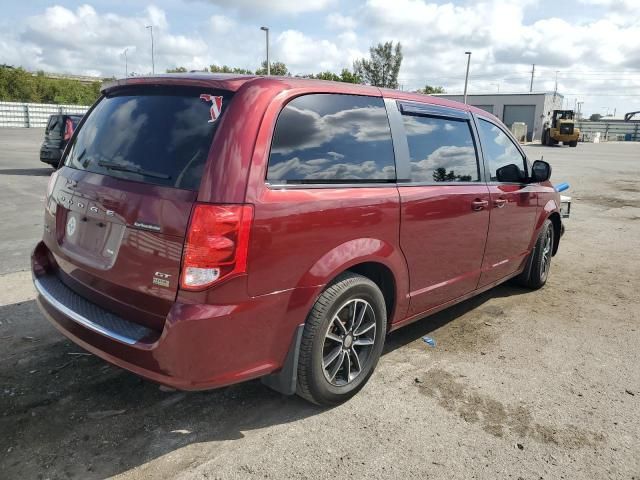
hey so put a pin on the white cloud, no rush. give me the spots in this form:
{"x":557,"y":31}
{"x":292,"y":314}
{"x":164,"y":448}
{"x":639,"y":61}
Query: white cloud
{"x":504,"y":39}
{"x":628,"y":5}
{"x":304,"y":54}
{"x":222,"y":24}
{"x":87,"y":42}
{"x":280,"y":6}
{"x":337,"y":21}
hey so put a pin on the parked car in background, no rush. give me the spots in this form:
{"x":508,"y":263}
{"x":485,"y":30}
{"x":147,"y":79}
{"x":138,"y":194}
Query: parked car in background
{"x":57,"y":133}
{"x":205,"y":230}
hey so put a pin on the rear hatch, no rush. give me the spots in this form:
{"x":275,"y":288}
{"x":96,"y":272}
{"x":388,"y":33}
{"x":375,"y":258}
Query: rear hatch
{"x":118,"y":210}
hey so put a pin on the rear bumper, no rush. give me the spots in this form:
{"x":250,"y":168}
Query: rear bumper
{"x":201,"y":346}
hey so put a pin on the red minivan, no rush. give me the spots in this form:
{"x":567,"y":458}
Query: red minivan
{"x":208,"y":229}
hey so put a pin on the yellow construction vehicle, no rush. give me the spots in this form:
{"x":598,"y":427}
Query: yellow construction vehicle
{"x":561,"y":128}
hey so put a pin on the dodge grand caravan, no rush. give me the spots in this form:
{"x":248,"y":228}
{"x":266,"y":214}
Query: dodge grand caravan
{"x":204,"y":230}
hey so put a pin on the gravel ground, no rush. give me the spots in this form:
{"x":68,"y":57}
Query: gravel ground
{"x":521,"y":384}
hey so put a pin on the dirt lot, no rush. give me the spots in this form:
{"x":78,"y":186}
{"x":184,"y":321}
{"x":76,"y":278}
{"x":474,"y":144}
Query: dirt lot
{"x":521,"y":384}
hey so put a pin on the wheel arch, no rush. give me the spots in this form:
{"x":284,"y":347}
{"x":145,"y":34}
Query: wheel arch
{"x":383,"y":277}
{"x":375,"y":259}
{"x":557,"y":226}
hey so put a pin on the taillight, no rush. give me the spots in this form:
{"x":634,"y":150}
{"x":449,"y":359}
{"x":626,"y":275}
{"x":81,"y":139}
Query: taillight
{"x":217,"y":244}
{"x":68,"y":129}
{"x":52,"y":183}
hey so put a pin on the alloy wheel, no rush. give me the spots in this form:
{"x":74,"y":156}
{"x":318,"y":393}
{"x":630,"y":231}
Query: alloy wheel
{"x":348,"y":342}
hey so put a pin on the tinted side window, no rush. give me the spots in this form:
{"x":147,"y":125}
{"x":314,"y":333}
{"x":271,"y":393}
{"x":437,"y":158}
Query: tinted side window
{"x":500,"y":152}
{"x":441,"y":150}
{"x":325,"y":138}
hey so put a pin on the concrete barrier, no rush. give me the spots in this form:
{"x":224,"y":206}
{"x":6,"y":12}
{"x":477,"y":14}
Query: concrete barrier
{"x":28,"y":115}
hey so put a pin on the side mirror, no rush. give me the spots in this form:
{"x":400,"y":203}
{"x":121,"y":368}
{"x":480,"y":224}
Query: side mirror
{"x":509,"y":173}
{"x":540,"y":171}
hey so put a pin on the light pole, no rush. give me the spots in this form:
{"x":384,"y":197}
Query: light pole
{"x":266,"y":31}
{"x":153,"y":63}
{"x":466,"y":77}
{"x":126,"y":65}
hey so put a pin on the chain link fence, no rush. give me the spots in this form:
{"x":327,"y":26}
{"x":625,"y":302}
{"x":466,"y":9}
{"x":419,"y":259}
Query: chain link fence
{"x":30,"y":115}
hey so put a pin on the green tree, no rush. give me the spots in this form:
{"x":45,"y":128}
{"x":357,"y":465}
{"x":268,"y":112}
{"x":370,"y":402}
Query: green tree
{"x":327,"y":76}
{"x":383,"y":66}
{"x":18,"y":85}
{"x":347,"y":76}
{"x":226,"y":69}
{"x":428,"y":90}
{"x":277,"y":68}
{"x":177,"y":70}
{"x":595,"y":117}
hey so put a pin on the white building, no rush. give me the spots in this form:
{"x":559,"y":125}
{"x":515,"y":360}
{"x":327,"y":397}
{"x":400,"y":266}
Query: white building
{"x":529,"y":108}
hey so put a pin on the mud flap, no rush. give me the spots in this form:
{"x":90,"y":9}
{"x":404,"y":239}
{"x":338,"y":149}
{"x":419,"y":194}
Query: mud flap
{"x":285,"y":380}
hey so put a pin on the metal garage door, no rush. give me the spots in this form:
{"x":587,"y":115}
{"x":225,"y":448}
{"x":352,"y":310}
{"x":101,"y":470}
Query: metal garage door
{"x":520,"y":113}
{"x":486,"y":108}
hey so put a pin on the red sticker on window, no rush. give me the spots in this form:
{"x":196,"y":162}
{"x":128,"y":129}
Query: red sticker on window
{"x":216,"y":105}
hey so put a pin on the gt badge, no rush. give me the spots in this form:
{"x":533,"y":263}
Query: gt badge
{"x":216,"y":105}
{"x":161,"y":279}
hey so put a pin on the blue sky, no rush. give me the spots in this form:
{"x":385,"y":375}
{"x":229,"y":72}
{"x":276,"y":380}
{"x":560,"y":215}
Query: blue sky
{"x":594,"y":45}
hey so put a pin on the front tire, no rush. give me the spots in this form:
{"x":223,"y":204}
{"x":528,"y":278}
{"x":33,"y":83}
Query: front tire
{"x":342,"y":340}
{"x":536,"y":275}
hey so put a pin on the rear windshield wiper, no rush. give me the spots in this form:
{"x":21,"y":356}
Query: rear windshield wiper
{"x":126,"y":168}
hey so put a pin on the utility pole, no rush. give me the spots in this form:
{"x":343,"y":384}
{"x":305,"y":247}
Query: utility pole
{"x":266,"y":31}
{"x":533,"y":71}
{"x":466,"y":77}
{"x":153,"y":63}
{"x":555,"y":90}
{"x":126,"y":65}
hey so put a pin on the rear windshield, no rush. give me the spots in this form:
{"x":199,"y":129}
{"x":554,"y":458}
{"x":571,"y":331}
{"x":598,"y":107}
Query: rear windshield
{"x":155,"y":135}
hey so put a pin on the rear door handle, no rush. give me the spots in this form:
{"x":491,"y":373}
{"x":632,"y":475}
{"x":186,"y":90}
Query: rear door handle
{"x":478,"y":204}
{"x":500,"y":202}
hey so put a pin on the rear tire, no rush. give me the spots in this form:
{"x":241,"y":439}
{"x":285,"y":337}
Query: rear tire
{"x":536,"y":275}
{"x":573,"y":144}
{"x":545,"y":138}
{"x":342,"y":340}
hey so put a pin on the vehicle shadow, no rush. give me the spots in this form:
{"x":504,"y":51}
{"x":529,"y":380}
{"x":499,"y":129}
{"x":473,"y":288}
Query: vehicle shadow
{"x":57,"y":399}
{"x":72,"y":415}
{"x":30,"y":172}
{"x":427,"y":325}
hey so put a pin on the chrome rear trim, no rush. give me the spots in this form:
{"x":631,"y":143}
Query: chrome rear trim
{"x":79,"y":309}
